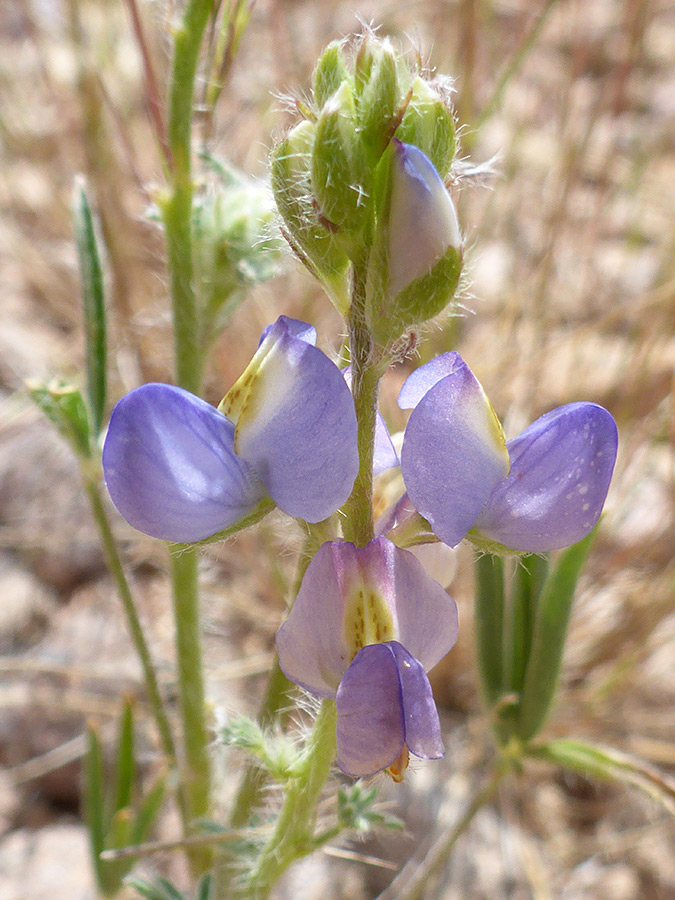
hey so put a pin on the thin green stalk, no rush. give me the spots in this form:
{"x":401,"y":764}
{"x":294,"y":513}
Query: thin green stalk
{"x":366,"y":374}
{"x":412,"y":887}
{"x":196,"y":764}
{"x":293,"y":835}
{"x":135,"y":631}
{"x":133,"y":621}
{"x":177,"y":216}
{"x":177,"y":207}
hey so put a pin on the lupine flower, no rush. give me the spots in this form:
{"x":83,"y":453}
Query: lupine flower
{"x":543,"y":490}
{"x":365,"y":627}
{"x":180,"y":470}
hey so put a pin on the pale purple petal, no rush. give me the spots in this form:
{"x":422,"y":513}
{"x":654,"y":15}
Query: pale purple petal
{"x":422,"y":728}
{"x":420,"y":382}
{"x":350,"y":597}
{"x":297,"y":426}
{"x":311,"y":643}
{"x":426,"y":616}
{"x":561,"y":467}
{"x":170,"y":466}
{"x":422,"y":218}
{"x":296,"y":327}
{"x":454,"y":453}
{"x":370,"y":721}
{"x":385,"y":701}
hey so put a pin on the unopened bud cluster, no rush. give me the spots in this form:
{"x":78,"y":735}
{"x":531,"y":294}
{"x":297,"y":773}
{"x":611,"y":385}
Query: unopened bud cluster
{"x":359,"y":181}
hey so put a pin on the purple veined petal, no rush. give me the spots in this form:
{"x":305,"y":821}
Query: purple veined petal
{"x":383,"y":703}
{"x":423,"y":222}
{"x":454,"y":452}
{"x":351,"y":597}
{"x":296,"y":424}
{"x":561,"y":467}
{"x":384,"y":453}
{"x":170,"y":466}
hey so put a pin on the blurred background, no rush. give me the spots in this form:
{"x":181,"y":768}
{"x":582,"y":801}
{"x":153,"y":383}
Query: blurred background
{"x":569,"y":294}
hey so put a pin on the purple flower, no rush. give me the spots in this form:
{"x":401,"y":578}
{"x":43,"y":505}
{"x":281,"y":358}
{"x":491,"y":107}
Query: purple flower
{"x":180,"y":470}
{"x":366,"y":626}
{"x":543,"y":490}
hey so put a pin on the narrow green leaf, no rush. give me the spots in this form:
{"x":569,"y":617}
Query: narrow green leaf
{"x":93,"y":302}
{"x":94,"y":811}
{"x":528,"y":580}
{"x":607,"y":763}
{"x":119,"y":835}
{"x":548,"y":642}
{"x":161,"y":889}
{"x":150,"y":807}
{"x":489,"y":625}
{"x":126,"y":762}
{"x":205,"y":888}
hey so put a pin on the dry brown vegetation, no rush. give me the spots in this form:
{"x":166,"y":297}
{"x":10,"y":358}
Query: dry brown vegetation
{"x":571,"y":295}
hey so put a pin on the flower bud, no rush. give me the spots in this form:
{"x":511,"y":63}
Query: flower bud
{"x":309,"y":238}
{"x":329,"y":73}
{"x":338,"y":166}
{"x":378,"y":102}
{"x":235,"y":245}
{"x":429,"y":125}
{"x":416,"y":258}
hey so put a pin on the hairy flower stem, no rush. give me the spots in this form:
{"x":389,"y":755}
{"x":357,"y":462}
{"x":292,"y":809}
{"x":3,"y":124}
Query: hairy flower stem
{"x":196,"y":762}
{"x":367,"y":371}
{"x":293,"y":835}
{"x":176,"y":210}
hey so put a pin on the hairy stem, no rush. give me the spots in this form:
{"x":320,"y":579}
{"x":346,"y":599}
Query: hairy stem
{"x":177,"y":215}
{"x":366,"y":374}
{"x":293,"y":834}
{"x":196,"y":762}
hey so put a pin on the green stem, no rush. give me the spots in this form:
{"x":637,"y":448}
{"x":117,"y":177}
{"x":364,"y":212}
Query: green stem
{"x":366,"y":374}
{"x":133,"y":621}
{"x":189,"y":360}
{"x":177,"y":207}
{"x":293,"y":835}
{"x":196,"y":763}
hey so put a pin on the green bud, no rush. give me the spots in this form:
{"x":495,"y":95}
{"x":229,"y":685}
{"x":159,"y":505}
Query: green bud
{"x":234,"y":245}
{"x":329,"y":73}
{"x":416,"y":258}
{"x":338,"y":166}
{"x":378,"y":103}
{"x":429,"y":125}
{"x":313,"y":243}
